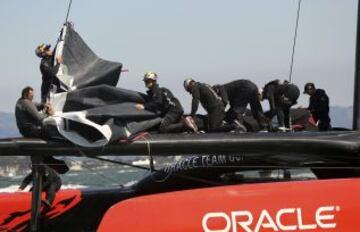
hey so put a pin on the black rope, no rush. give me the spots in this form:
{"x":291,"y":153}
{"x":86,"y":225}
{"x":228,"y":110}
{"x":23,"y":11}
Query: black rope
{"x":295,"y":37}
{"x":68,"y":11}
{"x":119,"y":162}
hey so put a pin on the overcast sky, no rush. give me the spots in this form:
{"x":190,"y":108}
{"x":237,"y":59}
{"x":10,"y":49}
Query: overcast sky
{"x":210,"y":41}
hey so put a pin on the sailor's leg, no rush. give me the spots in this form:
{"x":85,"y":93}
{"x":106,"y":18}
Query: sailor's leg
{"x":258,"y":113}
{"x":323,"y":125}
{"x":53,"y":187}
{"x":216,"y":116}
{"x":280,"y":116}
{"x":216,"y":124}
{"x":239,"y":112}
{"x":37,"y":173}
{"x":171,"y":123}
{"x":287,"y":119}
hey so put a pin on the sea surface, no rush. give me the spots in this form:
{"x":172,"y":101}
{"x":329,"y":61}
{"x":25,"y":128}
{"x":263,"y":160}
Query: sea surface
{"x":85,"y":178}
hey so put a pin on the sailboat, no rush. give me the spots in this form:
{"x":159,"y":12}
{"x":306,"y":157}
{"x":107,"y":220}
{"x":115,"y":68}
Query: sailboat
{"x":208,"y":190}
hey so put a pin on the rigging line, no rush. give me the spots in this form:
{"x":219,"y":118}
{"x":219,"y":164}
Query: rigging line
{"x":294,"y":42}
{"x":105,"y":177}
{"x":119,"y":162}
{"x":149,"y":154}
{"x":133,"y":166}
{"x":152,"y":168}
{"x":68,"y":11}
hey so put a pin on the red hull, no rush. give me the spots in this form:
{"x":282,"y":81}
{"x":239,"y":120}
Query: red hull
{"x":323,"y":206}
{"x":15,"y":211}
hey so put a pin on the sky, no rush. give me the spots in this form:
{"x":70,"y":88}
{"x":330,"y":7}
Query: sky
{"x":211,"y":41}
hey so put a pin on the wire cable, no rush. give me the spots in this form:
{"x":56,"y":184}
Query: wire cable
{"x":294,"y":41}
{"x":68,"y":11}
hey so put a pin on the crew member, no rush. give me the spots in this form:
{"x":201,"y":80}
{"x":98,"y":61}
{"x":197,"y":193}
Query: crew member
{"x":318,"y":106}
{"x":48,"y":70}
{"x":281,"y":97}
{"x":30,"y":115}
{"x":164,"y":102}
{"x":51,"y":181}
{"x":238,"y":94}
{"x":210,"y":101}
{"x":29,"y":118}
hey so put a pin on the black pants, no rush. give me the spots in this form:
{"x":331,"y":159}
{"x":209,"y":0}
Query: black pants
{"x":238,"y":109}
{"x":215,"y":120}
{"x":324,"y":125}
{"x":43,"y":132}
{"x":284,"y":104}
{"x":283,"y":111}
{"x":171,"y":122}
{"x":51,"y":184}
{"x":283,"y":116}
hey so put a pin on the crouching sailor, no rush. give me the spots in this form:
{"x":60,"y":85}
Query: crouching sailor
{"x":238,"y":94}
{"x":210,"y":101}
{"x":281,"y":97}
{"x":163,"y":101}
{"x":51,"y":181}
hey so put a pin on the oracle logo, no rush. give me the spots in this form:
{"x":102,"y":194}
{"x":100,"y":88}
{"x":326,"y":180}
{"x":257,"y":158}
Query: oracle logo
{"x":287,"y":219}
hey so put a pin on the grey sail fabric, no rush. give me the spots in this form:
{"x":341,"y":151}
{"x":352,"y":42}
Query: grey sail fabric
{"x":81,"y":66}
{"x":91,"y":111}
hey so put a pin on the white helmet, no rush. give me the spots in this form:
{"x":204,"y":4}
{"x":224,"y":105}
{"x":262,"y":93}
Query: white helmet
{"x":150,"y":76}
{"x":187,"y":83}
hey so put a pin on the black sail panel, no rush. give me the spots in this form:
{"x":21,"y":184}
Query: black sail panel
{"x":91,"y":111}
{"x":81,"y":65}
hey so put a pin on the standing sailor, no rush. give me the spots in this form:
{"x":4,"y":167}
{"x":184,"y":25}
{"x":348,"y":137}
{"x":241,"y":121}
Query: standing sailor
{"x":48,"y":70}
{"x":210,"y":101}
{"x":281,"y":97}
{"x":164,"y":102}
{"x":238,"y":94}
{"x":318,"y":106}
{"x":51,"y":181}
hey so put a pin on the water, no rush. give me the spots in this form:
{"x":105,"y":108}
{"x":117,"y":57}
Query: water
{"x":86,"y":178}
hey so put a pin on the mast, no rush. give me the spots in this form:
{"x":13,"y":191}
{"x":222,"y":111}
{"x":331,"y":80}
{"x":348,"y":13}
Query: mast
{"x":356,"y":108}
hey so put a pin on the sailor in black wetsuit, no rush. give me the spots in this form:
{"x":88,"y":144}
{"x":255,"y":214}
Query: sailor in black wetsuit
{"x":281,"y":97}
{"x":238,"y":94}
{"x":163,"y":101}
{"x":48,"y":70}
{"x":318,"y":106}
{"x":210,"y":101}
{"x":51,"y":181}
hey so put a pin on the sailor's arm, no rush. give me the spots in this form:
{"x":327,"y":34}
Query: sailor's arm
{"x":33,"y":111}
{"x":195,"y":100}
{"x":223,"y":94}
{"x":26,"y":181}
